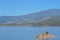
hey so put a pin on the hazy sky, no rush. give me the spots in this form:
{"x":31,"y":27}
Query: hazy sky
{"x":23,"y":7}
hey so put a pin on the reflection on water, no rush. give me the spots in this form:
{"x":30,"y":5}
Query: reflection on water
{"x":27,"y":33}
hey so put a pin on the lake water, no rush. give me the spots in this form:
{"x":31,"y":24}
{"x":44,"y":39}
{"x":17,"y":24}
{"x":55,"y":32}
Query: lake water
{"x":27,"y":33}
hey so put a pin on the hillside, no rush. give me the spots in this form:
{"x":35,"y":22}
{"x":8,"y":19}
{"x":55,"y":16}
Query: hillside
{"x":50,"y":21}
{"x":32,"y":18}
{"x":47,"y":21}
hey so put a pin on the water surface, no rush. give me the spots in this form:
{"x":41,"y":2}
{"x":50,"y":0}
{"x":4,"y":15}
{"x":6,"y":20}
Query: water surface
{"x":27,"y":33}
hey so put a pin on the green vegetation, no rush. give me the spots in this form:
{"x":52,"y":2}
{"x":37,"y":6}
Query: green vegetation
{"x":53,"y":21}
{"x":47,"y":21}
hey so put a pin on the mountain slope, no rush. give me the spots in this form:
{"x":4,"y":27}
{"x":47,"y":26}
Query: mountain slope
{"x":50,"y":21}
{"x":33,"y":17}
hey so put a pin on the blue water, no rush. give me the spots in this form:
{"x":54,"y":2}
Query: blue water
{"x":27,"y":33}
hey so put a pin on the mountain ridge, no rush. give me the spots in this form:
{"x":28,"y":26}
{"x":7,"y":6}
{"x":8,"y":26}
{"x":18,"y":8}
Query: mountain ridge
{"x":33,"y":17}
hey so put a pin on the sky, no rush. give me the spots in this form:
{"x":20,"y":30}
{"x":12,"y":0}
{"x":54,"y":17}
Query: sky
{"x":24,"y":7}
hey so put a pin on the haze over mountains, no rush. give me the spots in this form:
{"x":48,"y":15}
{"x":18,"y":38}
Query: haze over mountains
{"x":33,"y":17}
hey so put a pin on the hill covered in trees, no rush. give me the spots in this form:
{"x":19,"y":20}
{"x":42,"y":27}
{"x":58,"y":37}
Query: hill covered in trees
{"x":50,"y":17}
